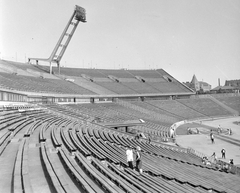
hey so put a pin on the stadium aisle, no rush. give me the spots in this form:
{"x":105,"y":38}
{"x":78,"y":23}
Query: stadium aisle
{"x":7,"y":161}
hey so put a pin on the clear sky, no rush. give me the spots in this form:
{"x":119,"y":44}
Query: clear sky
{"x":184,"y":37}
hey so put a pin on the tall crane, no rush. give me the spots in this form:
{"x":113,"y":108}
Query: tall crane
{"x":79,"y":15}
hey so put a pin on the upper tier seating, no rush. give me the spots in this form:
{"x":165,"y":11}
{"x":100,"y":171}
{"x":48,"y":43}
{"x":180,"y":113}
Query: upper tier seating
{"x":168,"y":87}
{"x":25,"y":69}
{"x":89,"y":81}
{"x":117,"y":88}
{"x":116,"y":73}
{"x":141,"y":87}
{"x":145,"y":73}
{"x":32,"y":84}
{"x":79,"y":71}
{"x":96,"y":88}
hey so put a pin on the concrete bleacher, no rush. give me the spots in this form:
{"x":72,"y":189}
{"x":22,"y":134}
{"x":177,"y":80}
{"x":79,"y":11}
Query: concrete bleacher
{"x":117,"y":88}
{"x":78,"y":71}
{"x":176,"y":108}
{"x":78,"y":155}
{"x":87,"y":81}
{"x":124,"y":74}
{"x":170,"y":116}
{"x":231,"y":100}
{"x":205,"y":106}
{"x":167,"y":87}
{"x":140,"y":87}
{"x":25,"y":69}
{"x":145,"y":73}
{"x":33,"y":84}
{"x":92,"y":86}
{"x":65,"y":148}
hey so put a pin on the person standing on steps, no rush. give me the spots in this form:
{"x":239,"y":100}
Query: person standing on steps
{"x":129,"y":153}
{"x":139,"y":160}
{"x":149,"y":138}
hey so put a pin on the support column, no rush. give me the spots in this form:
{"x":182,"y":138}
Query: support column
{"x":58,"y":64}
{"x":50,"y":67}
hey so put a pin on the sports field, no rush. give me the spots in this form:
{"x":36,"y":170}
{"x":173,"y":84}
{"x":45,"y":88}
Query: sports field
{"x":201,"y":142}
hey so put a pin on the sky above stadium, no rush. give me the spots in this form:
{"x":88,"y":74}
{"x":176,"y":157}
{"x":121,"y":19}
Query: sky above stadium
{"x":183,"y":37}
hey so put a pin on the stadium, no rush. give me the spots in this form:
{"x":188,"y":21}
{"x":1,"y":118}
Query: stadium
{"x":66,"y":129}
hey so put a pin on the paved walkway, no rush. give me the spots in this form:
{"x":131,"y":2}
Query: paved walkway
{"x":202,"y":142}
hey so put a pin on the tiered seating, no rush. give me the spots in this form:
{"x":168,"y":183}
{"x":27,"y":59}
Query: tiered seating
{"x":135,"y":114}
{"x":116,"y":73}
{"x":99,"y":81}
{"x":70,"y":112}
{"x":168,"y":87}
{"x":205,"y":106}
{"x":18,"y":128}
{"x":92,"y":86}
{"x":152,"y":126}
{"x":23,"y":66}
{"x":118,"y":88}
{"x":32,"y":84}
{"x":230,"y":100}
{"x":15,"y":68}
{"x":79,"y":71}
{"x":112,"y":112}
{"x":176,"y":108}
{"x":145,"y":73}
{"x":78,"y":156}
{"x":166,"y":115}
{"x":140,"y":87}
{"x":100,"y":112}
{"x":27,"y":69}
{"x":115,"y":155}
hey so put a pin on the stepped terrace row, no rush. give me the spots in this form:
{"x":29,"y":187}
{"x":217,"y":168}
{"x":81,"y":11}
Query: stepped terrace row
{"x":53,"y":152}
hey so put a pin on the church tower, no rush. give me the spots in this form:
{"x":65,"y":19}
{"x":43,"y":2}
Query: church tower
{"x":195,"y":84}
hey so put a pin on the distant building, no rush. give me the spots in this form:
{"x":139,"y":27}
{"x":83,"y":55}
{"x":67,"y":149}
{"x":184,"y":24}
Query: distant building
{"x":231,"y":86}
{"x":198,"y":86}
{"x":233,"y":83}
{"x":223,"y":89}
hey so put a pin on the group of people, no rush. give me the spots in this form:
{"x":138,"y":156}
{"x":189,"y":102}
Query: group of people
{"x":224,"y":166}
{"x":223,"y":152}
{"x":141,"y":135}
{"x":191,"y":131}
{"x":220,"y":130}
{"x":138,"y":158}
{"x":205,"y":161}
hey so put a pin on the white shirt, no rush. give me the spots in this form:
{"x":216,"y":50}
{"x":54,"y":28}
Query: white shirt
{"x":129,"y":154}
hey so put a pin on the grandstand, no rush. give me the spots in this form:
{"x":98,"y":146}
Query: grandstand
{"x":61,"y":142}
{"x":68,"y":131}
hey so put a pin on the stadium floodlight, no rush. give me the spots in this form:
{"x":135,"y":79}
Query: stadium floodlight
{"x":79,"y":15}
